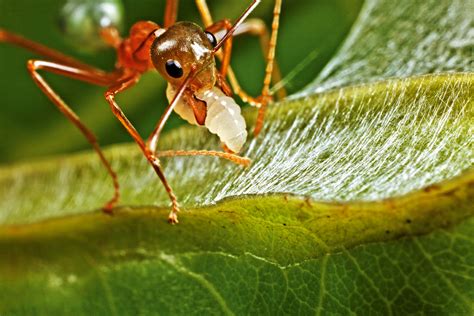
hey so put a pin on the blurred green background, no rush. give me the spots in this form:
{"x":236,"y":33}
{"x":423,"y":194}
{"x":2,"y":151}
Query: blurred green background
{"x":31,"y":127}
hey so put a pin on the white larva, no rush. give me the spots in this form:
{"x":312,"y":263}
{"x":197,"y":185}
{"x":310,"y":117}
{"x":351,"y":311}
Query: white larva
{"x":223,"y":117}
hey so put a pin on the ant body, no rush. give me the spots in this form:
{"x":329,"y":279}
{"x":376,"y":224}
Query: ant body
{"x":184,"y":54}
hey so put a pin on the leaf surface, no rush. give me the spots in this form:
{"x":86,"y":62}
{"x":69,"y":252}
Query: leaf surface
{"x":359,"y":200}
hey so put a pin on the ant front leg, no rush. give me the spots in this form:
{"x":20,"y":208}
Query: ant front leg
{"x":94,"y":77}
{"x":227,"y":50}
{"x":149,"y":154}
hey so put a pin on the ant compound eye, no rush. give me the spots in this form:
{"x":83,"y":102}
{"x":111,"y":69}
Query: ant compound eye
{"x":211,"y":38}
{"x":174,"y":69}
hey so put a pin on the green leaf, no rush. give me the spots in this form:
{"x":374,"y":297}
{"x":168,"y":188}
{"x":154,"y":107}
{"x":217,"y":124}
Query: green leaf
{"x":277,"y":252}
{"x":242,"y":263}
{"x":358,"y":201}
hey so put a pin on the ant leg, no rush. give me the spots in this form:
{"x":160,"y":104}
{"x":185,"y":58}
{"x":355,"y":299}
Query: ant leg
{"x":214,"y":28}
{"x":252,"y":27}
{"x":42,"y":50}
{"x":227,"y":50}
{"x":171,"y":12}
{"x":265,"y":95}
{"x":153,"y":160}
{"x":239,"y":160}
{"x":258,"y":28}
{"x":83,"y":75}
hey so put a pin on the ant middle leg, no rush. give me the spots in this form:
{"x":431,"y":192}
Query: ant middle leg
{"x":97,"y":78}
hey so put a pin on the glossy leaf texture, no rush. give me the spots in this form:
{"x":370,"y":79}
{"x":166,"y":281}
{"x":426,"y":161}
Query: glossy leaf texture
{"x":359,"y":199}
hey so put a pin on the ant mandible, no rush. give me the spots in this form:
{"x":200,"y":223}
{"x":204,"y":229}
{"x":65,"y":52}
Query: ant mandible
{"x":184,"y":54}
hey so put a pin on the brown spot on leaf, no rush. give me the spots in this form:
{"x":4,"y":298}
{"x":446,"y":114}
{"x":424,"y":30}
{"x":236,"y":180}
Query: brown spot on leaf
{"x":431,"y":188}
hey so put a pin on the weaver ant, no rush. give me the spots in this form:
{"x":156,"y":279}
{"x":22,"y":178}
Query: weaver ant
{"x":184,"y":54}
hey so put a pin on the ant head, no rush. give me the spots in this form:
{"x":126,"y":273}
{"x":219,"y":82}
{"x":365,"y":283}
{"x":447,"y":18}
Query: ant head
{"x":182,"y":48}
